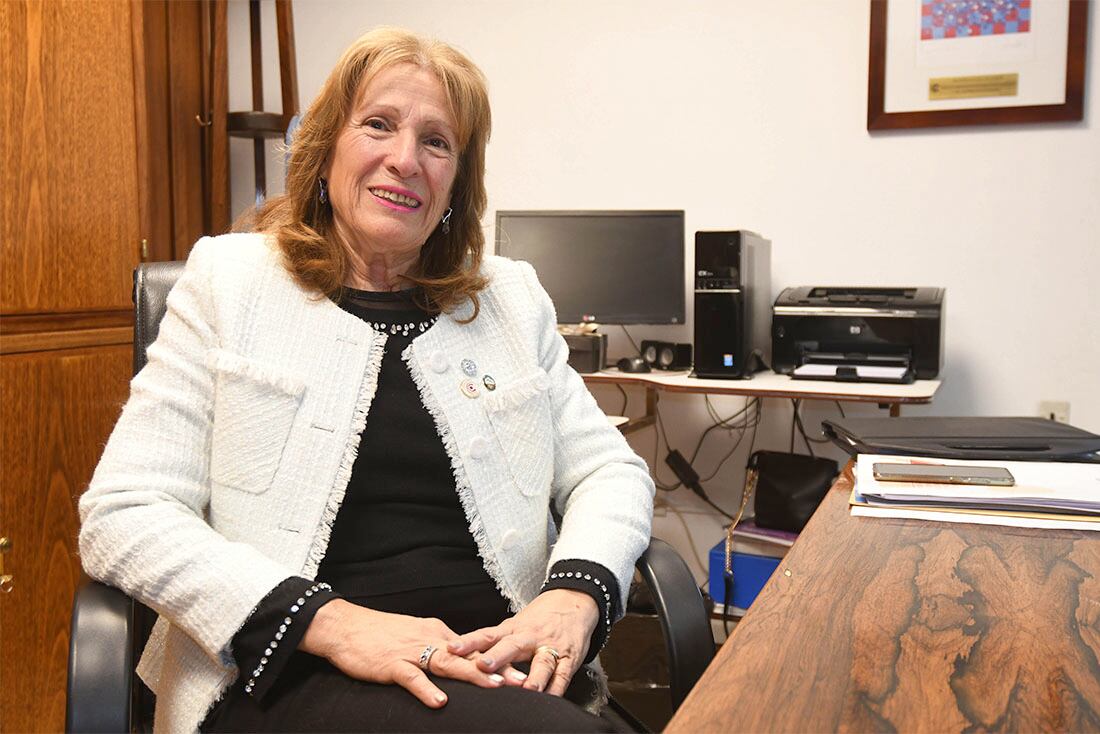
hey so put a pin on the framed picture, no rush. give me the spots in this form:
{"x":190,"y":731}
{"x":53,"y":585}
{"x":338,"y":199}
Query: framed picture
{"x":936,"y":63}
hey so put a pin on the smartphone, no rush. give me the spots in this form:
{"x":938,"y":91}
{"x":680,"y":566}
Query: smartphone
{"x":989,"y":476}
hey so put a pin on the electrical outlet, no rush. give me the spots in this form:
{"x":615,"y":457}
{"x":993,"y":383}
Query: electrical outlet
{"x":1055,"y":410}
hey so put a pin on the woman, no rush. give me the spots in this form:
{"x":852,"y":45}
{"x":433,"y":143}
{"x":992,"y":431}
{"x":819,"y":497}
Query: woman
{"x":334,"y":478}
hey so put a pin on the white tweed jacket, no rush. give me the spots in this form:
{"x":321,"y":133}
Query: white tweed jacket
{"x":231,"y":457}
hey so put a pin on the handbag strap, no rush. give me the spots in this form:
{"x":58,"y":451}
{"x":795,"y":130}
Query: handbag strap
{"x":752,"y":475}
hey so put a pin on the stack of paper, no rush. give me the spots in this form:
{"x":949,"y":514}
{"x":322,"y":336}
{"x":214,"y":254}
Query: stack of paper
{"x":748,"y":537}
{"x":1046,"y":494}
{"x":867,"y":372}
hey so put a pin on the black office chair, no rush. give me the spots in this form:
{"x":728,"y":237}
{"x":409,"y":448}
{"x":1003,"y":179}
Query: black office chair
{"x":109,"y":629}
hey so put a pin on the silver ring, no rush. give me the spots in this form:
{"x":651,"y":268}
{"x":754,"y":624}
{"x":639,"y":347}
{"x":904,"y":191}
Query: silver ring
{"x":426,"y":658}
{"x":549,"y":651}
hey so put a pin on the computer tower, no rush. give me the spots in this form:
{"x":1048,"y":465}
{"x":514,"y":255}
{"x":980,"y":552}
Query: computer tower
{"x":732,"y":303}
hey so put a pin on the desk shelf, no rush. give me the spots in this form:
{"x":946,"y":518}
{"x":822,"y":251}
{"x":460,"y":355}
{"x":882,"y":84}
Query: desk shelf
{"x":767,"y":385}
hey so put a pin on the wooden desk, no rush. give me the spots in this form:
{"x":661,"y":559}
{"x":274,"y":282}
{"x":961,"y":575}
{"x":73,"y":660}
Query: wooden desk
{"x":766,"y":385}
{"x":877,"y":625}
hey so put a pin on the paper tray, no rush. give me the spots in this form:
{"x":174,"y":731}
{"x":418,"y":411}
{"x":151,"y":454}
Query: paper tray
{"x":853,"y":373}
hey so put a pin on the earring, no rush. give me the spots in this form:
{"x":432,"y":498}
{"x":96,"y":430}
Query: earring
{"x":322,"y":185}
{"x":447,"y":220}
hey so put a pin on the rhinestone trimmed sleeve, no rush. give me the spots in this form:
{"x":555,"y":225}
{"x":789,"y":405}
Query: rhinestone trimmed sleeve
{"x":265,"y":642}
{"x":596,"y":581}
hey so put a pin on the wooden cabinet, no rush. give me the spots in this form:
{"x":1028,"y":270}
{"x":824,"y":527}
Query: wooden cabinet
{"x":57,"y":408}
{"x":100,"y":153}
{"x":71,"y":233}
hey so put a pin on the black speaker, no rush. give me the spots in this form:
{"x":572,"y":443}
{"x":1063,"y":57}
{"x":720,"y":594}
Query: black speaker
{"x":587,"y":352}
{"x":666,"y":355}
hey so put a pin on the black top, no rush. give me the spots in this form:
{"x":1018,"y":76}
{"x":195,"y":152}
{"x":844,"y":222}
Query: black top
{"x":401,"y":527}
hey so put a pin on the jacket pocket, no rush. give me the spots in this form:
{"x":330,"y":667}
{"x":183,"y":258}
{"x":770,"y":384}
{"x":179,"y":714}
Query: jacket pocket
{"x":521,"y":418}
{"x":254,"y":409}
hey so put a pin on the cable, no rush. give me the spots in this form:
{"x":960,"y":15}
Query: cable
{"x":730,"y":453}
{"x":634,"y":343}
{"x":750,"y":414}
{"x":689,"y":478}
{"x":746,"y":494}
{"x":797,"y":418}
{"x":802,"y":429}
{"x":661,"y":425}
{"x":759,"y":412}
{"x":727,"y":585}
{"x":656,"y":453}
{"x":762,"y":363}
{"x":840,"y":408}
{"x":719,"y":423}
{"x":754,"y":404}
{"x":626,"y":398}
{"x":793,"y":421}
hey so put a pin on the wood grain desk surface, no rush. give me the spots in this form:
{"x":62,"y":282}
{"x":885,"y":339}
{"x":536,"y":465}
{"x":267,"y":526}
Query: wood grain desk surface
{"x":873,"y":625}
{"x":770,"y":384}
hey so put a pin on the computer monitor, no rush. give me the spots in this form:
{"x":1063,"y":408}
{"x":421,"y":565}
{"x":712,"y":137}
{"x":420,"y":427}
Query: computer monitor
{"x":607,"y":267}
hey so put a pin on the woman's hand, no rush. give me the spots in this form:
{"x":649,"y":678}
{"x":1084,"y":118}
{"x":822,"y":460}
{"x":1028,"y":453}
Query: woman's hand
{"x":385,"y":648}
{"x":560,"y":619}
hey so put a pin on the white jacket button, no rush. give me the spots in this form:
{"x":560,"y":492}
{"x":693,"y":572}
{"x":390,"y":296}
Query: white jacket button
{"x":438,"y":361}
{"x":478,"y":448}
{"x":509,"y":539}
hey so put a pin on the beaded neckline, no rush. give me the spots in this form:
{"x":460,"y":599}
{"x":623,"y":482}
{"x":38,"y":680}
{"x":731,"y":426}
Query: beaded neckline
{"x":404,"y":329}
{"x":395,"y":323}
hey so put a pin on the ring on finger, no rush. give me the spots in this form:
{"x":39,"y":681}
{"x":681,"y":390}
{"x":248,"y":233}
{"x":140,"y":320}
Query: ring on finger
{"x":426,"y":658}
{"x":549,"y":651}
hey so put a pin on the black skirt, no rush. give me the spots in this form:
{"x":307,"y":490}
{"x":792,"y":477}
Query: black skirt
{"x":312,"y":695}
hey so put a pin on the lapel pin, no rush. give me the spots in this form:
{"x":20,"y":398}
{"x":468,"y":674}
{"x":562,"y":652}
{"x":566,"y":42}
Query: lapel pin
{"x":469,"y":388}
{"x":490,"y":383}
{"x":469,"y":367}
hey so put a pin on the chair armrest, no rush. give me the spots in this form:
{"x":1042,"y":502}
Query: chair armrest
{"x":684,"y":617}
{"x":101,"y":660}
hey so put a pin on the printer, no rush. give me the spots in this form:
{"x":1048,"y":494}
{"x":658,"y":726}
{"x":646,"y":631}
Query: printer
{"x":858,"y":334}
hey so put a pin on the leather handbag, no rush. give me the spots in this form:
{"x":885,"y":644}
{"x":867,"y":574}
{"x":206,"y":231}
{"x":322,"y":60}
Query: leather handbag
{"x":789,"y":487}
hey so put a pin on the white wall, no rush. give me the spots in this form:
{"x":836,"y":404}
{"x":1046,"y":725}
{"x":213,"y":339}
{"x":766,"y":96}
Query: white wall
{"x":752,"y":115}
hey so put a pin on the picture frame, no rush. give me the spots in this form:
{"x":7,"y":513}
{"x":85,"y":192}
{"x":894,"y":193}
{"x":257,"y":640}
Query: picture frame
{"x":1023,"y":71}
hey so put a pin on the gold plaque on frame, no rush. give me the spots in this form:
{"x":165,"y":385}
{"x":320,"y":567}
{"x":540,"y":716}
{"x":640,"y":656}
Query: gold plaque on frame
{"x":966,"y":87}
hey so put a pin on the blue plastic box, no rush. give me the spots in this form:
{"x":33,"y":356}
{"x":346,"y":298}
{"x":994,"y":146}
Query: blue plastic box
{"x":750,"y":573}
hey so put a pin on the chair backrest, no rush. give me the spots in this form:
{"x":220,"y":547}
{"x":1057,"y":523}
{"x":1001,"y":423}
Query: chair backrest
{"x":152,"y":283}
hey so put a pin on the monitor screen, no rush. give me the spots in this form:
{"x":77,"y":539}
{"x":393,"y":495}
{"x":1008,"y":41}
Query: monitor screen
{"x":609,"y":267}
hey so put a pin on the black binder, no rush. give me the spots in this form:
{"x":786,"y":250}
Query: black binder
{"x":1009,"y":439}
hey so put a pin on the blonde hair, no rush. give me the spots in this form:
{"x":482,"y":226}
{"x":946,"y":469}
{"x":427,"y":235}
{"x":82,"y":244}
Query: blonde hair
{"x":448,"y":268}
